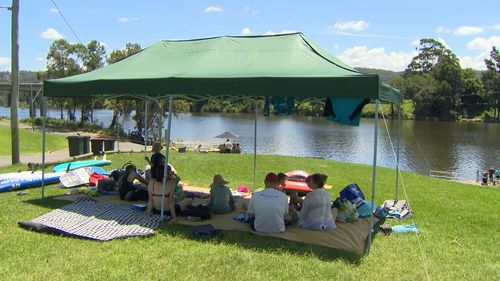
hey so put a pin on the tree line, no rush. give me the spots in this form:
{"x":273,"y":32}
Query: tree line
{"x":433,"y":82}
{"x":441,"y":90}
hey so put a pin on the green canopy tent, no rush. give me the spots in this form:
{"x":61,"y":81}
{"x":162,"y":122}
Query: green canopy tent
{"x":286,"y":65}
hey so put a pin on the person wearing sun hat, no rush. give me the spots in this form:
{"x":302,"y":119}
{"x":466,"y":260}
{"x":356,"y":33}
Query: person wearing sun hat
{"x":268,"y":208}
{"x":221,"y":198}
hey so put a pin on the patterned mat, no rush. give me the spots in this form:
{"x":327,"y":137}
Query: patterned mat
{"x":96,"y":220}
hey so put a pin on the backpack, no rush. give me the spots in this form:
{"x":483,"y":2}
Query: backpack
{"x":200,"y":211}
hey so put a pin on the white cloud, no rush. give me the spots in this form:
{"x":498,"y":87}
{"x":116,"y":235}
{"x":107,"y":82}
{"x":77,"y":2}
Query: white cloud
{"x":285,"y":31}
{"x":213,"y":9}
{"x":4,"y":61}
{"x":475,"y":62}
{"x":361,"y":56}
{"x":246,"y":31}
{"x":40,"y":59}
{"x":53,"y":10}
{"x":415,"y":42}
{"x":336,"y":46}
{"x":481,"y":43}
{"x":495,"y":27}
{"x":441,"y":29}
{"x":351,"y":25}
{"x":51,"y":33}
{"x":251,"y":10}
{"x":127,"y":19}
{"x":468,"y":30}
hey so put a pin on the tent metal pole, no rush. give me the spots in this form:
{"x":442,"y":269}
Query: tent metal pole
{"x":145,"y":131}
{"x":397,"y":152}
{"x":374,"y":176}
{"x":44,"y":106}
{"x":255,"y":146}
{"x":167,"y":147}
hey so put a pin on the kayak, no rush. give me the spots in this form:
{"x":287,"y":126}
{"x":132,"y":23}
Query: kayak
{"x":70,"y":166}
{"x":296,"y":181}
{"x":33,"y":180}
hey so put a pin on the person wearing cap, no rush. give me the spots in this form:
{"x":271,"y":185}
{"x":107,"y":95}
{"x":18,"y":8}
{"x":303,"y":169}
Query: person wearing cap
{"x":221,"y":198}
{"x":268,"y":208}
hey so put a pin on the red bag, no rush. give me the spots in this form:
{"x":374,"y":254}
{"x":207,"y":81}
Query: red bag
{"x":95,"y":177}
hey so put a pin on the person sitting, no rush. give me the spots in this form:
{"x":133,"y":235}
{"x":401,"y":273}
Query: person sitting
{"x":316,"y":211}
{"x":197,"y":148}
{"x":268,"y":208}
{"x":485,"y":178}
{"x":129,"y":191}
{"x":155,"y":158}
{"x":282,"y":177}
{"x":155,"y":189}
{"x":221,"y":198}
{"x":236,"y":148}
{"x":228,"y":146}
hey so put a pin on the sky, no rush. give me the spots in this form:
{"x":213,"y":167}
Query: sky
{"x":375,"y":34}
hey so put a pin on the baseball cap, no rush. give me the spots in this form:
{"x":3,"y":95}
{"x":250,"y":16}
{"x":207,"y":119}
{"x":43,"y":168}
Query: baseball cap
{"x":271,"y":177}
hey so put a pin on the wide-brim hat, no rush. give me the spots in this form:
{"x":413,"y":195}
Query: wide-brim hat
{"x":219,"y":180}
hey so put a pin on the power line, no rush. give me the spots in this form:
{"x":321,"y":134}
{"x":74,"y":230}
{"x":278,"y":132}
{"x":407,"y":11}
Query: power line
{"x":65,"y":21}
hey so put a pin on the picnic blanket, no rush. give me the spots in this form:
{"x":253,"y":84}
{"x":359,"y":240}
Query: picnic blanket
{"x":92,"y":219}
{"x":346,"y":236}
{"x":349,"y":237}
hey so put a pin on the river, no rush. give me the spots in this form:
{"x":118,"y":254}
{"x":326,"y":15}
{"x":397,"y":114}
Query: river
{"x":457,"y":147}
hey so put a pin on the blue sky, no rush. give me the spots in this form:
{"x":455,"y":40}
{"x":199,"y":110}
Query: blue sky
{"x":376,"y":34}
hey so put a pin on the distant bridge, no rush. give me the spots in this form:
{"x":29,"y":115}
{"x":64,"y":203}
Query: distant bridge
{"x":28,"y":91}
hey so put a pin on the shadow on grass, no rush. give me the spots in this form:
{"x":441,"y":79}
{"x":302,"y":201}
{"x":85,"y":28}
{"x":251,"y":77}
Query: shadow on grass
{"x":48,"y":202}
{"x":266,"y":244}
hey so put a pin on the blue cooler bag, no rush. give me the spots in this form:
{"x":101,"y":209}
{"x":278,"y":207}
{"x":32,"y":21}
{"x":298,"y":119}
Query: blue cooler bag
{"x":352,"y":192}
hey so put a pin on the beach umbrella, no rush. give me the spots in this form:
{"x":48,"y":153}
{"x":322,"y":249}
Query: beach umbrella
{"x":227,"y":135}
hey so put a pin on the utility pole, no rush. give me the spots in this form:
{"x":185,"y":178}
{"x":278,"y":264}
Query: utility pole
{"x":14,"y":95}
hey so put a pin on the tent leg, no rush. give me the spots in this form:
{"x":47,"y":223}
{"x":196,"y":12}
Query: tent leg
{"x":255,"y":146}
{"x":44,"y":105}
{"x":397,"y":151}
{"x":374,"y":176}
{"x":145,"y":131}
{"x":167,"y":148}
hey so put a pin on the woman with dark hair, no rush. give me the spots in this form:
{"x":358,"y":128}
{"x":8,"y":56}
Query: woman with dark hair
{"x":129,"y":191}
{"x":155,"y":191}
{"x":316,"y":211}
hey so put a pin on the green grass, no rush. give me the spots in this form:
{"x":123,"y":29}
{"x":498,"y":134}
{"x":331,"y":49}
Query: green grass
{"x":30,"y":142}
{"x":459,"y":223}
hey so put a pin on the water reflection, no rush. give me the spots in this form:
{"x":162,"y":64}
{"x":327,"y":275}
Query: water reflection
{"x":444,"y":146}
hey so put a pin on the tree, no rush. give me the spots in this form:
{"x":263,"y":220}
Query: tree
{"x":491,"y":80}
{"x":64,"y":59}
{"x":472,"y":101}
{"x":119,"y":54}
{"x":92,"y":57}
{"x":121,"y":107}
{"x":437,"y":96}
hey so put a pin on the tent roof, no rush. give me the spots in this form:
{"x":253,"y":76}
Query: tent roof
{"x":278,"y":65}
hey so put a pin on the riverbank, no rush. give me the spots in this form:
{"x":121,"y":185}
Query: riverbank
{"x":456,"y":238}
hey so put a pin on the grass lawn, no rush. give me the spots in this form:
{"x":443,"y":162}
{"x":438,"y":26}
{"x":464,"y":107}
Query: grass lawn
{"x":30,"y":142}
{"x":459,"y":223}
